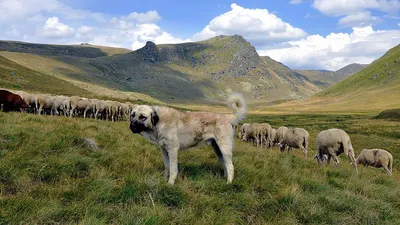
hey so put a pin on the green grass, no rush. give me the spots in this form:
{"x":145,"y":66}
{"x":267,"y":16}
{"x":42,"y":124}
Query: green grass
{"x":16,"y":77}
{"x":48,"y":176}
{"x":373,"y":89}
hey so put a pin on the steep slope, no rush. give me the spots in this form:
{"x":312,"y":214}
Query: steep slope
{"x":205,"y":71}
{"x":325,"y":78}
{"x":70,"y":71}
{"x":373,"y":89}
{"x":15,"y":76}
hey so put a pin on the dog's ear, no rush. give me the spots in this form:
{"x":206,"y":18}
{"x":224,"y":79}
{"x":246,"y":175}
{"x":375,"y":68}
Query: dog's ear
{"x":154,"y":118}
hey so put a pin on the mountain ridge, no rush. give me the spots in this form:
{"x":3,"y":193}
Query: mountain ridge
{"x":204,"y":71}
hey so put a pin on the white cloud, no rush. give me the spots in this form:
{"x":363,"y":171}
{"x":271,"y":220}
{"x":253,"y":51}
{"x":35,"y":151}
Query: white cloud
{"x":17,"y":10}
{"x":52,"y":21}
{"x":335,"y":50}
{"x":295,"y":2}
{"x":84,"y":34}
{"x":53,"y":28}
{"x":151,"y":16}
{"x":359,"y":19}
{"x":346,"y":7}
{"x":84,"y":29}
{"x":151,"y":32}
{"x":256,"y":25}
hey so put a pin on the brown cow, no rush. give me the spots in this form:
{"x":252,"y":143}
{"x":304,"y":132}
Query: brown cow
{"x":12,"y":102}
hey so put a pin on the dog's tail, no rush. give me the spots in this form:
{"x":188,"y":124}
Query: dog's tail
{"x":237,"y":102}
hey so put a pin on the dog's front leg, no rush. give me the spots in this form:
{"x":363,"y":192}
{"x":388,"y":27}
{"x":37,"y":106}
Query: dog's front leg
{"x":173,"y":164}
{"x":166,"y":162}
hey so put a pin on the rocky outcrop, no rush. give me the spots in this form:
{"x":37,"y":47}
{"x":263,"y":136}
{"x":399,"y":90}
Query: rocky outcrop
{"x":240,"y":63}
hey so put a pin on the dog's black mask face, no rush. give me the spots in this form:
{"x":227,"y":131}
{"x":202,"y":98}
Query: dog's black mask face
{"x":143,"y":118}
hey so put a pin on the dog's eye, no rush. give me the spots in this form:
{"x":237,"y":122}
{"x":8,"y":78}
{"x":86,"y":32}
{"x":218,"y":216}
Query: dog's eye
{"x":142,"y":118}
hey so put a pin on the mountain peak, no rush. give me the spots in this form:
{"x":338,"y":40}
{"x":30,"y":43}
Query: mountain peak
{"x":149,"y":53}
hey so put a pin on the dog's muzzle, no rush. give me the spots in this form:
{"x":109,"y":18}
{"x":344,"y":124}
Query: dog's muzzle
{"x":137,"y":127}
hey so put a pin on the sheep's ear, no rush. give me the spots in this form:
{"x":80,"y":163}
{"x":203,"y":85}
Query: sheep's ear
{"x":154,"y":118}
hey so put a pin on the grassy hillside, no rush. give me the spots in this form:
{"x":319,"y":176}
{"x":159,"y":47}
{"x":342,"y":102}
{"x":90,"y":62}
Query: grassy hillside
{"x":16,"y":77}
{"x":59,"y":70}
{"x":373,"y":89}
{"x":201,"y":72}
{"x":48,"y":176}
{"x":382,"y":74}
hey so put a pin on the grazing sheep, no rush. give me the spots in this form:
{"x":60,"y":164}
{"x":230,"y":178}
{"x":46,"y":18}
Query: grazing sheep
{"x":58,"y":104}
{"x":82,"y":104}
{"x":99,"y":108}
{"x":295,"y":138}
{"x":263,"y":132}
{"x":66,"y":106}
{"x":257,"y":133}
{"x":272,"y":138}
{"x":249,"y":133}
{"x":112,"y":110}
{"x":280,"y":132}
{"x":332,"y":143}
{"x":377,"y":158}
{"x":73,"y":101}
{"x":125,"y":110}
{"x":45,"y":102}
{"x":242,"y":130}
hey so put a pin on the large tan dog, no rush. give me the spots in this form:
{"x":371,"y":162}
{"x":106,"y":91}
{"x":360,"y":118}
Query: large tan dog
{"x":173,"y":130}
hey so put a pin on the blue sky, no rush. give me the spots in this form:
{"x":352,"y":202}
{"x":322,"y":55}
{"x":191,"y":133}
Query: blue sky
{"x":303,"y":34}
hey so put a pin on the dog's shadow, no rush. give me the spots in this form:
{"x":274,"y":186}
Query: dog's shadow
{"x":196,"y":171}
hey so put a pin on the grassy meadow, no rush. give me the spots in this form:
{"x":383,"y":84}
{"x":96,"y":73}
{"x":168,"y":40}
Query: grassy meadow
{"x":48,"y":176}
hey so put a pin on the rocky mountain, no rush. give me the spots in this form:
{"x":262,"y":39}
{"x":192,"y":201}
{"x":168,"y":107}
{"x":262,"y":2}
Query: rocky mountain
{"x":205,"y":71}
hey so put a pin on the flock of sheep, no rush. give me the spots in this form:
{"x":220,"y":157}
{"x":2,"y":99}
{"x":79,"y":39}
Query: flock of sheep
{"x":329,"y":144}
{"x":75,"y":106}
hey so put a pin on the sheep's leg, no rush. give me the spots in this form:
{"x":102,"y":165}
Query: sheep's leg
{"x":319,"y":159}
{"x":387,"y":170}
{"x":335,"y":160}
{"x":328,"y":160}
{"x":304,"y":150}
{"x":71,"y":112}
{"x":353,"y":161}
{"x":266,"y":142}
{"x":257,"y":141}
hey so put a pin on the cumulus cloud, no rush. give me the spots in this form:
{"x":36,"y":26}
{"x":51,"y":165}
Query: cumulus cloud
{"x":52,"y":21}
{"x":17,"y":10}
{"x":256,"y":25}
{"x":359,"y":19}
{"x":346,"y":7}
{"x":152,"y":32}
{"x":53,"y":28}
{"x":151,"y":16}
{"x":362,"y":45}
